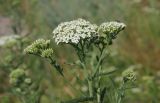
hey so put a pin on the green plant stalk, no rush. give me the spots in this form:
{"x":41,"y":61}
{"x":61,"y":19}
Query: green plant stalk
{"x":121,"y":92}
{"x":101,"y":57}
{"x":90,"y":87}
{"x":99,"y":88}
{"x":98,"y":95}
{"x":82,"y":59}
{"x":89,"y":80}
{"x":97,"y":71}
{"x":105,"y":73}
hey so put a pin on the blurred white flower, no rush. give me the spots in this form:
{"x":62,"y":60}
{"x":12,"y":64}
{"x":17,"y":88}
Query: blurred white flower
{"x":148,"y":79}
{"x":118,"y":79}
{"x":136,"y":90}
{"x":84,"y":88}
{"x":73,"y":31}
{"x":5,"y":39}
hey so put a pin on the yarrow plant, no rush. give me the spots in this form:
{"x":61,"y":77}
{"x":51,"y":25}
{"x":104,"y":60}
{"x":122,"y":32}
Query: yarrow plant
{"x":91,"y":43}
{"x":13,"y":63}
{"x":41,"y":48}
{"x":23,"y":86}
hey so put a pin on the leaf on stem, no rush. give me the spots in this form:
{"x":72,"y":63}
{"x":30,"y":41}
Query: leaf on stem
{"x":57,"y":66}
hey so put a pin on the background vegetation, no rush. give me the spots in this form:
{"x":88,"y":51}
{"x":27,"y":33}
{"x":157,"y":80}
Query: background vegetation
{"x":137,"y":47}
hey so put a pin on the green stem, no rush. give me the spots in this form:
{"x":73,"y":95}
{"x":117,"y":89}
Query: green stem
{"x":90,"y":87}
{"x":99,"y":95}
{"x":99,"y":88}
{"x":99,"y":63}
{"x":53,"y":62}
{"x":57,"y":66}
{"x":105,"y":73}
{"x":121,"y":92}
{"x":90,"y":81}
{"x":98,"y":71}
{"x":82,"y":56}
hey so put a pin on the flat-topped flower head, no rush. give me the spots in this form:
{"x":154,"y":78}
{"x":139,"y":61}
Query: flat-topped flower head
{"x":111,"y":28}
{"x":73,"y":31}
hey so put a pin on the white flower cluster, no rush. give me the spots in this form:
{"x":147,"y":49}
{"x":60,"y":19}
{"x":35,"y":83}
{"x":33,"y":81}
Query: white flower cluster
{"x":73,"y":31}
{"x":111,"y":27}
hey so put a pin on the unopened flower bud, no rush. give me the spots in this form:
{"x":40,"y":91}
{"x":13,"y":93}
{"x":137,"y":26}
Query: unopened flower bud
{"x":28,"y":81}
{"x":110,"y":29}
{"x":47,"y":53}
{"x":31,"y":50}
{"x":18,"y":90}
{"x":129,"y":75}
{"x":17,"y":73}
{"x":37,"y":46}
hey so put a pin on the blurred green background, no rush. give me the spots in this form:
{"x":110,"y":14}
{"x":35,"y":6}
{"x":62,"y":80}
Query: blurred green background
{"x":138,"y":45}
